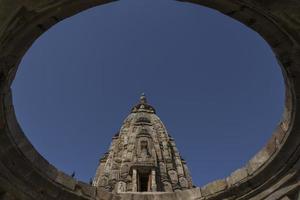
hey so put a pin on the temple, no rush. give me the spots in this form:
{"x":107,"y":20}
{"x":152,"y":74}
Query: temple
{"x":142,"y":157}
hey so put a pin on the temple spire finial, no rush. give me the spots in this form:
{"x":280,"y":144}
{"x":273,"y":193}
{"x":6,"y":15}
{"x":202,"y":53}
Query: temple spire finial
{"x":143,"y":98}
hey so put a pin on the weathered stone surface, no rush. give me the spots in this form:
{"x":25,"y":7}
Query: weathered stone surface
{"x":194,"y":193}
{"x":237,"y":176}
{"x":214,"y":187}
{"x":66,"y":180}
{"x":86,"y":189}
{"x":257,"y":161}
{"x":285,"y":198}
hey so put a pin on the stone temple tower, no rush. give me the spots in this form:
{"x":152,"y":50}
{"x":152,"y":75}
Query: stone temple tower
{"x":142,"y":157}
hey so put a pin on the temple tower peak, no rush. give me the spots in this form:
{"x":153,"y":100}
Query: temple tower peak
{"x":142,"y":157}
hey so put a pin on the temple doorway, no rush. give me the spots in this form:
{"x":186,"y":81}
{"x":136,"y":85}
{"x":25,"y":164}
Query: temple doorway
{"x":144,"y":182}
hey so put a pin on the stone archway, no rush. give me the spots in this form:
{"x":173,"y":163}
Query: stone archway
{"x":271,"y":174}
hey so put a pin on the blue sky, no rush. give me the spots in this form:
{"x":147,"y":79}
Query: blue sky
{"x":214,"y":83}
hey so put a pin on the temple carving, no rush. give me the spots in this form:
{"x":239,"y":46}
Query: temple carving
{"x":142,"y":157}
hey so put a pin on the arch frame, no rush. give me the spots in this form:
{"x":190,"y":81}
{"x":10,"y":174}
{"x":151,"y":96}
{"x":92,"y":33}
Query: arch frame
{"x":271,"y":174}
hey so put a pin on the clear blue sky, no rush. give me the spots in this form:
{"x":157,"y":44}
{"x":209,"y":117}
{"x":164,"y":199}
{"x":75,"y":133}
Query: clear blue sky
{"x":214,"y":83}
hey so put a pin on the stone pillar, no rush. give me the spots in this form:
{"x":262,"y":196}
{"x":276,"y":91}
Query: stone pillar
{"x":134,"y":180}
{"x":153,"y":181}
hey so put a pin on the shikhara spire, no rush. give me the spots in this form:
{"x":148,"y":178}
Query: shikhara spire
{"x":142,"y":156}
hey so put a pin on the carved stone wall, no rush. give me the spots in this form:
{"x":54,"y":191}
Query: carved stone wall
{"x":273,"y":173}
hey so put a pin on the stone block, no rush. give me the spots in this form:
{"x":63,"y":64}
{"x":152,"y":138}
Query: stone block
{"x":285,"y":125}
{"x":214,"y":187}
{"x":103,"y":195}
{"x":237,"y":176}
{"x":194,"y":193}
{"x":280,"y":134}
{"x":66,"y":180}
{"x":271,"y":146}
{"x":87,"y":189}
{"x":257,"y":161}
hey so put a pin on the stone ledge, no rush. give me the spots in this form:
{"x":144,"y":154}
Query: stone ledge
{"x":214,"y":187}
{"x":66,"y":180}
{"x":86,"y":189}
{"x":257,"y":161}
{"x":237,"y":176}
